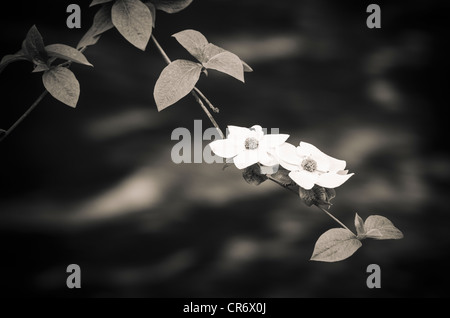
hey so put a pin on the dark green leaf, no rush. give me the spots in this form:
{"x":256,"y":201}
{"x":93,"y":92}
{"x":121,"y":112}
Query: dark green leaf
{"x":335,"y":245}
{"x":171,"y":6}
{"x":102,"y":23}
{"x":66,"y":52}
{"x":194,"y":42}
{"x":228,"y":63}
{"x":62,"y":84}
{"x":134,"y":21}
{"x":33,"y":46}
{"x":176,"y":81}
{"x":381,"y":228}
{"x":95,"y":2}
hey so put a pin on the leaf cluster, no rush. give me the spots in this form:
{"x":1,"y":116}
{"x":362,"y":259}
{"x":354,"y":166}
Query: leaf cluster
{"x":59,"y":81}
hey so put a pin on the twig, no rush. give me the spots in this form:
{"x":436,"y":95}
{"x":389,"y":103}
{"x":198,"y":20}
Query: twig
{"x":213,"y":108}
{"x":282,"y":185}
{"x":336,"y":219}
{"x":295,"y":192}
{"x":161,"y":50}
{"x":32,"y":107}
{"x":211,"y":118}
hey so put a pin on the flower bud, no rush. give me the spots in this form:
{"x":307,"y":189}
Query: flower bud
{"x":319,"y":196}
{"x":252,"y":175}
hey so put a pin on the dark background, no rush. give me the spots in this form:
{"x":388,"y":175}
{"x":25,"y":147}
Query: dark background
{"x":96,"y":186}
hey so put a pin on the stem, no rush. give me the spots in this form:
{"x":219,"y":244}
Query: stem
{"x":211,"y":118}
{"x":195,"y":92}
{"x":295,"y":192}
{"x":336,"y":219}
{"x":282,"y":185}
{"x":161,"y":51}
{"x":32,"y":107}
{"x":213,"y":108}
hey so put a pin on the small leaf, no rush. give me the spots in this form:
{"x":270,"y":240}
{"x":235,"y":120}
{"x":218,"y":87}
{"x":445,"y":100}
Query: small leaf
{"x":40,"y":68}
{"x":66,"y":52}
{"x":176,"y":81}
{"x":228,"y":63}
{"x":194,"y":42}
{"x":7,"y":59}
{"x":384,"y":226}
{"x":33,"y":46}
{"x":62,"y":84}
{"x":102,"y":23}
{"x":359,"y":224}
{"x":373,"y":233}
{"x":134,"y":21}
{"x":212,"y":50}
{"x":253,"y":175}
{"x":95,"y":2}
{"x":171,"y":6}
{"x":335,"y":245}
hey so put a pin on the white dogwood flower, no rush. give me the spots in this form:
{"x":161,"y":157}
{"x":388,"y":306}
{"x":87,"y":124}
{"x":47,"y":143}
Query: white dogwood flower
{"x":248,"y":146}
{"x":310,"y":166}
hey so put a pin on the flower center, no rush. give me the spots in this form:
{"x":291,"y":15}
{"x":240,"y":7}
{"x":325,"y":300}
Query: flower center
{"x":309,"y":165}
{"x":251,"y":143}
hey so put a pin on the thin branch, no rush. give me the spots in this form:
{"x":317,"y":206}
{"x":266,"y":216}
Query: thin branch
{"x":32,"y":107}
{"x":161,"y":50}
{"x":211,"y":118}
{"x":295,"y":192}
{"x":336,"y":219}
{"x":213,"y":108}
{"x":282,"y":185}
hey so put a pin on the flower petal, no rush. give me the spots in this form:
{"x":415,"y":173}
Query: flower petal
{"x":225,"y":148}
{"x":333,"y":163}
{"x":272,"y":141}
{"x":256,"y":132}
{"x":288,"y":166}
{"x":323,"y":164}
{"x":245,"y":159}
{"x":239,"y":131}
{"x":266,"y":158}
{"x":270,"y":169}
{"x":306,"y":150}
{"x":304,"y":179}
{"x":288,"y":153}
{"x":332,"y":180}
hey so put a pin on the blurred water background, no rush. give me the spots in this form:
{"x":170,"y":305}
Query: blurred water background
{"x":96,"y":186}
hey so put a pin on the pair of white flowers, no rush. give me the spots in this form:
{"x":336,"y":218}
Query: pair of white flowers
{"x":307,"y":164}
